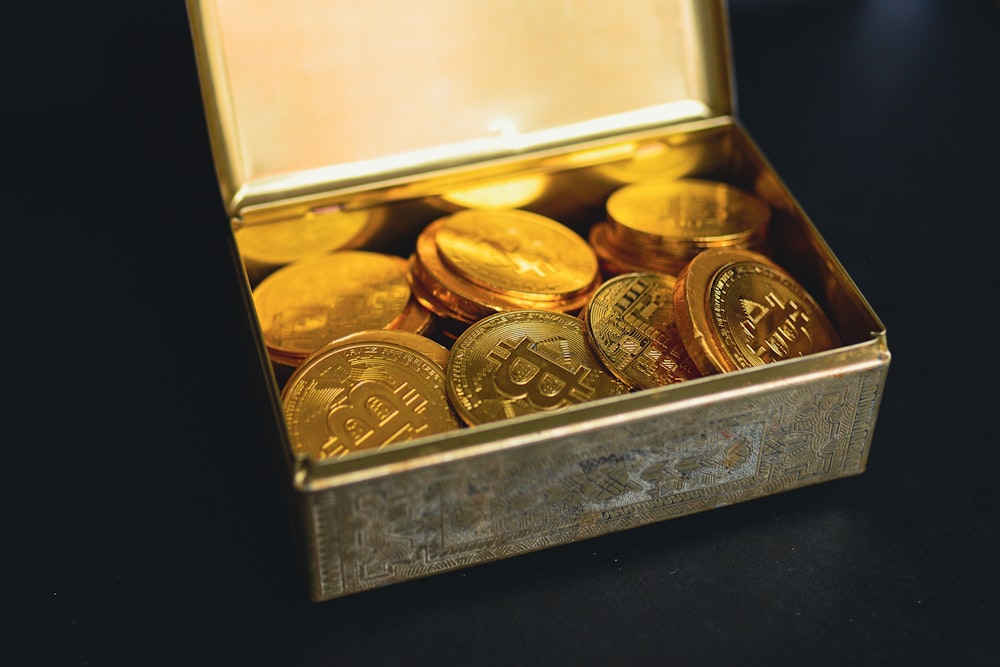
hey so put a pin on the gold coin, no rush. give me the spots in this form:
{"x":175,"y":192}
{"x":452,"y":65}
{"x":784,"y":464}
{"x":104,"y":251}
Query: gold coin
{"x":737,"y":309}
{"x":518,"y":253}
{"x":416,"y":342}
{"x":630,"y":323}
{"x":688,"y":213}
{"x":368,"y":391}
{"x":316,"y":233}
{"x":524,"y":362}
{"x":306,"y":304}
{"x":445,"y":291}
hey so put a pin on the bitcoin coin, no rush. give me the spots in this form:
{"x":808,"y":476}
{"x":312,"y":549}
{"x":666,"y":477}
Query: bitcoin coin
{"x":367,"y":391}
{"x":445,"y":291}
{"x":630,"y":323}
{"x":268,"y":246}
{"x":687,"y":214}
{"x":524,"y":362}
{"x":517,"y":253}
{"x":306,"y":304}
{"x":737,"y":309}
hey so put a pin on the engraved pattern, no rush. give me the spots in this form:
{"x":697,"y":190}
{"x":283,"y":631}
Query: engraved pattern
{"x":448,"y":516}
{"x":324,"y":529}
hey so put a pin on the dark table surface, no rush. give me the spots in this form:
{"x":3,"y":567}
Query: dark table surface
{"x":142,"y":518}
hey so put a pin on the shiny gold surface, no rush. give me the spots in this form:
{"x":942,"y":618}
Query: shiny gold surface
{"x":316,"y":233}
{"x":443,"y":290}
{"x":688,"y":214}
{"x":302,"y":100}
{"x":737,"y":309}
{"x":506,"y":193}
{"x":367,"y":391}
{"x":665,"y":158}
{"x":415,"y":318}
{"x":524,"y":362}
{"x":434,"y":297}
{"x":630,"y":324}
{"x":416,"y":342}
{"x":612,"y":263}
{"x":518,"y":253}
{"x":616,"y":259}
{"x":307,"y":304}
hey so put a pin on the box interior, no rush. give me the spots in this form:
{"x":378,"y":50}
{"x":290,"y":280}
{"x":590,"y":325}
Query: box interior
{"x":720,"y":150}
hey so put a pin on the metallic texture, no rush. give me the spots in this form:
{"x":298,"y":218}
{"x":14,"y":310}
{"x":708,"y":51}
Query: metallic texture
{"x":308,"y":303}
{"x":687,"y":215}
{"x":630,"y":325}
{"x":510,"y":259}
{"x":736,"y":309}
{"x":524,"y":362}
{"x":619,"y":469}
{"x":519,"y":253}
{"x":366,"y":391}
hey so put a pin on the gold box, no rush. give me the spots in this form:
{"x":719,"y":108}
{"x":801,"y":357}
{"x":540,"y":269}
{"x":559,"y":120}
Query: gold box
{"x":343,"y":109}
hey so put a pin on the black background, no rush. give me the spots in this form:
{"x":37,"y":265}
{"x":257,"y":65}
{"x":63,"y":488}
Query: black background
{"x":142,"y":516}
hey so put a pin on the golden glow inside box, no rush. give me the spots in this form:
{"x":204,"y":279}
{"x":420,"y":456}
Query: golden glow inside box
{"x":343,"y":124}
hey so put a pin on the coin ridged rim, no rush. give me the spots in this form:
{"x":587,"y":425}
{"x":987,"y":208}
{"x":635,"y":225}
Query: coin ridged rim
{"x":693,"y":306}
{"x":624,"y":237}
{"x":451,"y":233}
{"x":623,"y":261}
{"x":414,"y":341}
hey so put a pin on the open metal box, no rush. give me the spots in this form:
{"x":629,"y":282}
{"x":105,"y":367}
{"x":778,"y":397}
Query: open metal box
{"x":363,"y":117}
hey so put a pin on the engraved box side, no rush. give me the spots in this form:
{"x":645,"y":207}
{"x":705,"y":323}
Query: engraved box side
{"x":654,"y":465}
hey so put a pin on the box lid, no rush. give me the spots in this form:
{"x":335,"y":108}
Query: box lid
{"x":313,"y":103}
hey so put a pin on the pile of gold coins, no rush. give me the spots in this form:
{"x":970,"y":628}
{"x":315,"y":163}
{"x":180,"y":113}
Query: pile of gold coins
{"x":659,"y":226}
{"x":503,"y":313}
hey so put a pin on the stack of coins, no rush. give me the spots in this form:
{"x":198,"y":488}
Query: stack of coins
{"x":660,"y":225}
{"x":475,"y":263}
{"x":306,"y":304}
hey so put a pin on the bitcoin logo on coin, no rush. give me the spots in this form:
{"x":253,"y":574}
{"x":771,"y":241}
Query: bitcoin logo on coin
{"x":367,"y":390}
{"x":522,"y":372}
{"x":737,"y":309}
{"x":374,"y":412}
{"x":630,"y":322}
{"x":306,"y":304}
{"x":524,"y":362}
